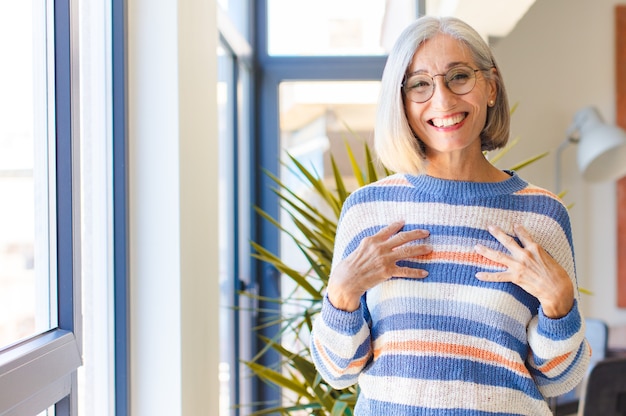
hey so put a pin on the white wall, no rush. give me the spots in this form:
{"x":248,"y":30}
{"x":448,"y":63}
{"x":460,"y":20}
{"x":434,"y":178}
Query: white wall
{"x":172,"y":78}
{"x":558,"y":59}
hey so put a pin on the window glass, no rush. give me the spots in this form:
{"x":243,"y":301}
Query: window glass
{"x":316,"y":117}
{"x":26,"y":181}
{"x":325,"y":27}
{"x":238,"y":12}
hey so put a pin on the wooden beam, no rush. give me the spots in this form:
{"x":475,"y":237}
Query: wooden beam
{"x":620,"y":88}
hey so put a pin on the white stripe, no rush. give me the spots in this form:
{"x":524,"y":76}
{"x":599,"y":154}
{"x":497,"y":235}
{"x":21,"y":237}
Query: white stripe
{"x":450,"y":395}
{"x":340,"y":344}
{"x":491,"y":299}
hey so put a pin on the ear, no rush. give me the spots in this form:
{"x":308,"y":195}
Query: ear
{"x":493,"y":84}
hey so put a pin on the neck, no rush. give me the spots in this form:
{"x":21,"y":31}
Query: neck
{"x":470,"y":170}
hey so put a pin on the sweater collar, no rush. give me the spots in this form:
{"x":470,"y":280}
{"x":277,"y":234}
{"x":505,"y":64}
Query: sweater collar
{"x":465,"y":189}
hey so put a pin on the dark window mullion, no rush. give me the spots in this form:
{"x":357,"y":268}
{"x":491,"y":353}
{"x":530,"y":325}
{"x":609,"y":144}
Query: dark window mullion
{"x":64,"y":161}
{"x":120,"y":215}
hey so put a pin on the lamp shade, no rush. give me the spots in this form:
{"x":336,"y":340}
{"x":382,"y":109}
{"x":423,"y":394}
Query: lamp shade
{"x":602,"y":147}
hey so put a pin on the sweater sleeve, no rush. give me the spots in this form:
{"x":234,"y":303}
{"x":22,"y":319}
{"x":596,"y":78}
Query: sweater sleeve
{"x":559,"y":352}
{"x":340,"y":344}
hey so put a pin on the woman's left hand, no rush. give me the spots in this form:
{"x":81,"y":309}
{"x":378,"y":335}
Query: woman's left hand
{"x":532,"y":268}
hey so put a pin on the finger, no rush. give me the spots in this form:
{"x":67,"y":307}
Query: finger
{"x":410,"y":272}
{"x":498,"y":277}
{"x":408,"y":252}
{"x":383,"y":235}
{"x":506,"y":240}
{"x":386,"y":232}
{"x":408,"y":236}
{"x":493,"y":255}
{"x":524,"y":236}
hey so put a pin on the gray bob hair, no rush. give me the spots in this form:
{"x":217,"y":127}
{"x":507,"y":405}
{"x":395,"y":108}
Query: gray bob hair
{"x":395,"y":143}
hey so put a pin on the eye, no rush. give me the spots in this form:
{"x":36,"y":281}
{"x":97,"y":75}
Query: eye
{"x":419,"y":83}
{"x":459,"y":75}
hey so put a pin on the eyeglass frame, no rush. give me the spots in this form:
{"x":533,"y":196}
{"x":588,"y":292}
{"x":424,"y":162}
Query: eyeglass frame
{"x":445,"y":81}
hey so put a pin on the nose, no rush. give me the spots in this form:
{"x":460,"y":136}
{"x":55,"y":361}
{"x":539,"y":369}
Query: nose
{"x":442,"y":97}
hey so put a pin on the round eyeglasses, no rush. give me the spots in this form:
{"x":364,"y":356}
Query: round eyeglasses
{"x":420,"y":87}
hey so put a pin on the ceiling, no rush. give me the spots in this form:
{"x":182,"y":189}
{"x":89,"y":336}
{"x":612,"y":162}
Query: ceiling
{"x":493,"y":19}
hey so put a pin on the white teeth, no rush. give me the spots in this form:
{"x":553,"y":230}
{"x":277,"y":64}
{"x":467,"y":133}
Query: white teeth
{"x":448,"y":121}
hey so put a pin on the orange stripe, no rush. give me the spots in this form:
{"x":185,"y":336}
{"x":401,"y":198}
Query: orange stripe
{"x":456,"y":256}
{"x":550,"y":365}
{"x":452,"y":349}
{"x":536,"y":191}
{"x":358,"y":364}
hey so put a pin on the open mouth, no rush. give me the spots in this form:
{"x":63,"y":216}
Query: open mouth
{"x":448,"y":121}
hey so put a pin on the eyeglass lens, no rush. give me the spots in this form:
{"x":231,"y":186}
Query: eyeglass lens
{"x":420,"y":87}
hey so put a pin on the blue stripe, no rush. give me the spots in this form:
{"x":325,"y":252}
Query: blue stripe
{"x":379,"y":408}
{"x":451,"y":369}
{"x":455,"y":309}
{"x":454,"y":325}
{"x":440,"y":235}
{"x":348,"y":379}
{"x":563,"y":328}
{"x":362,"y":351}
{"x":535,"y":203}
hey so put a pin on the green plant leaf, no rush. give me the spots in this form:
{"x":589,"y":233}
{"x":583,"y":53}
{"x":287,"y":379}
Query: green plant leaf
{"x":277,"y":262}
{"x":356,"y":168}
{"x":266,"y":373}
{"x":318,"y":185}
{"x":529,"y":161}
{"x":341,"y":188}
{"x":341,"y":408}
{"x":372,"y":176}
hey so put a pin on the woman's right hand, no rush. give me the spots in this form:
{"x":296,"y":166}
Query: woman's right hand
{"x":375,"y":261}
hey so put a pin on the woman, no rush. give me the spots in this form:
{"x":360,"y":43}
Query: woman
{"x":453,"y":287}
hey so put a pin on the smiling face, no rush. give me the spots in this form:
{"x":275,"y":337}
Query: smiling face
{"x":447,"y":123}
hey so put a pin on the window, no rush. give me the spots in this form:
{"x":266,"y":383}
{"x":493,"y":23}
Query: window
{"x":40,"y":350}
{"x":348,"y":27}
{"x":27,"y":175}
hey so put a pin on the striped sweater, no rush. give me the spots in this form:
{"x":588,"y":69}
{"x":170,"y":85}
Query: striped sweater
{"x":450,"y":344}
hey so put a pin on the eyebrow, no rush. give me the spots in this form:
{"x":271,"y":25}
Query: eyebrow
{"x":448,"y":67}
